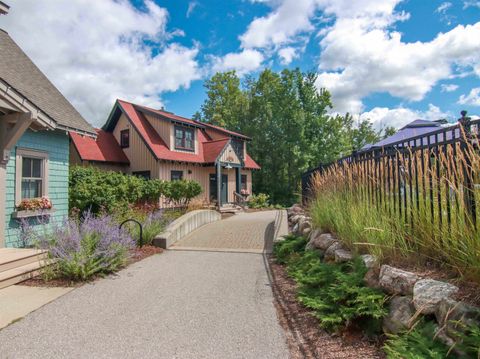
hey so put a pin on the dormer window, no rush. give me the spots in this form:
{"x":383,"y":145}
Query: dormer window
{"x":125,"y":138}
{"x":184,"y":138}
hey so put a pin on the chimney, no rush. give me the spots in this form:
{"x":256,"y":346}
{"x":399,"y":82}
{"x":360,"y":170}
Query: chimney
{"x":4,"y":8}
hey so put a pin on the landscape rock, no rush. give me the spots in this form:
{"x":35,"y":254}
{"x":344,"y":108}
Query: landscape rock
{"x":295,"y":209}
{"x":304,"y":223}
{"x":306,"y":231}
{"x":330,"y":251}
{"x":369,"y":260}
{"x":397,"y":281}
{"x":399,"y":318}
{"x":324,"y":241}
{"x":428,"y":293}
{"x":371,"y":278}
{"x":294,"y":219}
{"x":449,"y":312}
{"x":295,"y":229}
{"x":313,"y":237}
{"x":342,"y":255}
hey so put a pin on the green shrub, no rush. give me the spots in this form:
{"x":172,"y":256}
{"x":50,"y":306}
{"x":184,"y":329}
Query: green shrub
{"x":180,"y":193}
{"x":418,"y":343}
{"x":291,"y":244}
{"x":336,"y":292}
{"x":259,"y":201}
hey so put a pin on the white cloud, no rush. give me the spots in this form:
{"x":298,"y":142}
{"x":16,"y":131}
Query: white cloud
{"x":290,"y":19}
{"x":94,"y":51}
{"x":399,"y":117}
{"x":471,"y":3}
{"x":361,"y":51}
{"x":287,"y":55}
{"x":442,"y":9}
{"x":448,"y":87}
{"x":361,"y":55}
{"x":242,"y":62}
{"x":473,"y":98}
{"x":191,"y":6}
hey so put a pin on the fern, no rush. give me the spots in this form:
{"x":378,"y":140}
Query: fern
{"x":336,"y":292}
{"x":290,"y":245}
{"x":419,"y":343}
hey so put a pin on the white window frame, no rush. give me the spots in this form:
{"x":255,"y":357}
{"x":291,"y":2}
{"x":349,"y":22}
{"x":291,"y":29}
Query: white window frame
{"x":24,"y":152}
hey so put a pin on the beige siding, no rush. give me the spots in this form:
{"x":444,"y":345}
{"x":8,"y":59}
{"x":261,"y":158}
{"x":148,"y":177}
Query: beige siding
{"x":215,"y":135}
{"x":202,"y":176}
{"x":198,"y":173}
{"x":163,"y":128}
{"x":230,"y":156}
{"x":139,"y":155}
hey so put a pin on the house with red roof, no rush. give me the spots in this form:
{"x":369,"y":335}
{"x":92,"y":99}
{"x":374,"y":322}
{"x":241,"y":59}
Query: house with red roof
{"x":158,"y":144}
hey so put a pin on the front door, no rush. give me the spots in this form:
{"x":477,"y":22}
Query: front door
{"x":223,"y":190}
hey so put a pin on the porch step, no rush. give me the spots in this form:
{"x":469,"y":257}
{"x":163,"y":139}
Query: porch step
{"x":19,"y":274}
{"x":230,"y":208}
{"x":11,"y":257}
{"x":17,"y":265}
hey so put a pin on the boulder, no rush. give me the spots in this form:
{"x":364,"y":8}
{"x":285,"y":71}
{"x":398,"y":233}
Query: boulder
{"x":330,"y":251}
{"x":295,"y":209}
{"x":304,"y":222}
{"x":449,"y":313}
{"x":342,"y":255}
{"x":294,"y":219}
{"x":295,"y":229}
{"x":324,"y":241}
{"x":428,"y":293}
{"x":369,"y":260}
{"x":397,"y":281}
{"x":371,"y":278}
{"x":400,"y":314}
{"x":313,"y":236}
{"x":306,"y":231}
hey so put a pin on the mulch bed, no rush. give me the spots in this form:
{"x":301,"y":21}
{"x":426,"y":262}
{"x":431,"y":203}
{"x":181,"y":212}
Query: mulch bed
{"x":305,"y":338}
{"x":137,"y":255}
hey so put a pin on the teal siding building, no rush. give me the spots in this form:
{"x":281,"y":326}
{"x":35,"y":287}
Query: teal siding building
{"x":35,"y":123}
{"x":56,"y":145}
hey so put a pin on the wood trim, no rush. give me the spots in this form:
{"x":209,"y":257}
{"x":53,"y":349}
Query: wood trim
{"x":27,"y":152}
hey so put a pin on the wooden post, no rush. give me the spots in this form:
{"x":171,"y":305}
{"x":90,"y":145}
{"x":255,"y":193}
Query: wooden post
{"x":219,"y":184}
{"x":239,"y":179}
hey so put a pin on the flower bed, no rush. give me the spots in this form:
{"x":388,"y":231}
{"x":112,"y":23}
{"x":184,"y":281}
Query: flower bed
{"x":421,"y":319}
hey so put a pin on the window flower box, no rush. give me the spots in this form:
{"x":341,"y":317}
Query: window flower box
{"x":33,"y":207}
{"x":28,"y":213}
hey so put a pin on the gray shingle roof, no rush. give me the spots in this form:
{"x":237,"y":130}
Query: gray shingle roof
{"x":19,"y":72}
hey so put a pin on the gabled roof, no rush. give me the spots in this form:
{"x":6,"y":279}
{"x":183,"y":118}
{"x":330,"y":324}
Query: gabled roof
{"x":104,"y":149}
{"x":224,"y":130}
{"x":208,"y":150}
{"x":19,"y":73}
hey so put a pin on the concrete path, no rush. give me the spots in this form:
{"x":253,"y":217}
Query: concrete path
{"x":179,"y":304}
{"x":243,"y":232}
{"x":17,"y":301}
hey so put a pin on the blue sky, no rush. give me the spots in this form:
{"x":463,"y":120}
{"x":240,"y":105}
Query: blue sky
{"x":390,"y":61}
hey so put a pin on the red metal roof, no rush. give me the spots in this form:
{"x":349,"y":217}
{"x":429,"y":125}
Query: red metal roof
{"x":250,"y":163}
{"x":208,"y":149}
{"x":224,"y":130}
{"x":104,"y":149}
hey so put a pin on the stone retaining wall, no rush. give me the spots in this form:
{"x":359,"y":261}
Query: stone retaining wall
{"x":184,"y":225}
{"x":410,"y":294}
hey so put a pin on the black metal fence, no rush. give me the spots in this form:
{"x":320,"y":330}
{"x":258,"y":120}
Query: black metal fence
{"x":435,"y":173}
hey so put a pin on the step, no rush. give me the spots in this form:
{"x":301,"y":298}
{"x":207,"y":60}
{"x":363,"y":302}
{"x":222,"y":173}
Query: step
{"x":10,"y":259}
{"x":19,"y":274}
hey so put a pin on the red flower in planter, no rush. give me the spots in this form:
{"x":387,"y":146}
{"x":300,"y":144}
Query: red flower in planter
{"x":34,"y":204}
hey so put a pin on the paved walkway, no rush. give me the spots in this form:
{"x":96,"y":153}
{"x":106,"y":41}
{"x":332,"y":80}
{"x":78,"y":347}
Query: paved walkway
{"x":243,"y":232}
{"x":179,"y":304}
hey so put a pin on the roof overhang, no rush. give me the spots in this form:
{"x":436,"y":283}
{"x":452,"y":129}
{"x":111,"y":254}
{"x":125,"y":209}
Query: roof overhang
{"x":12,"y":100}
{"x":4,"y":8}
